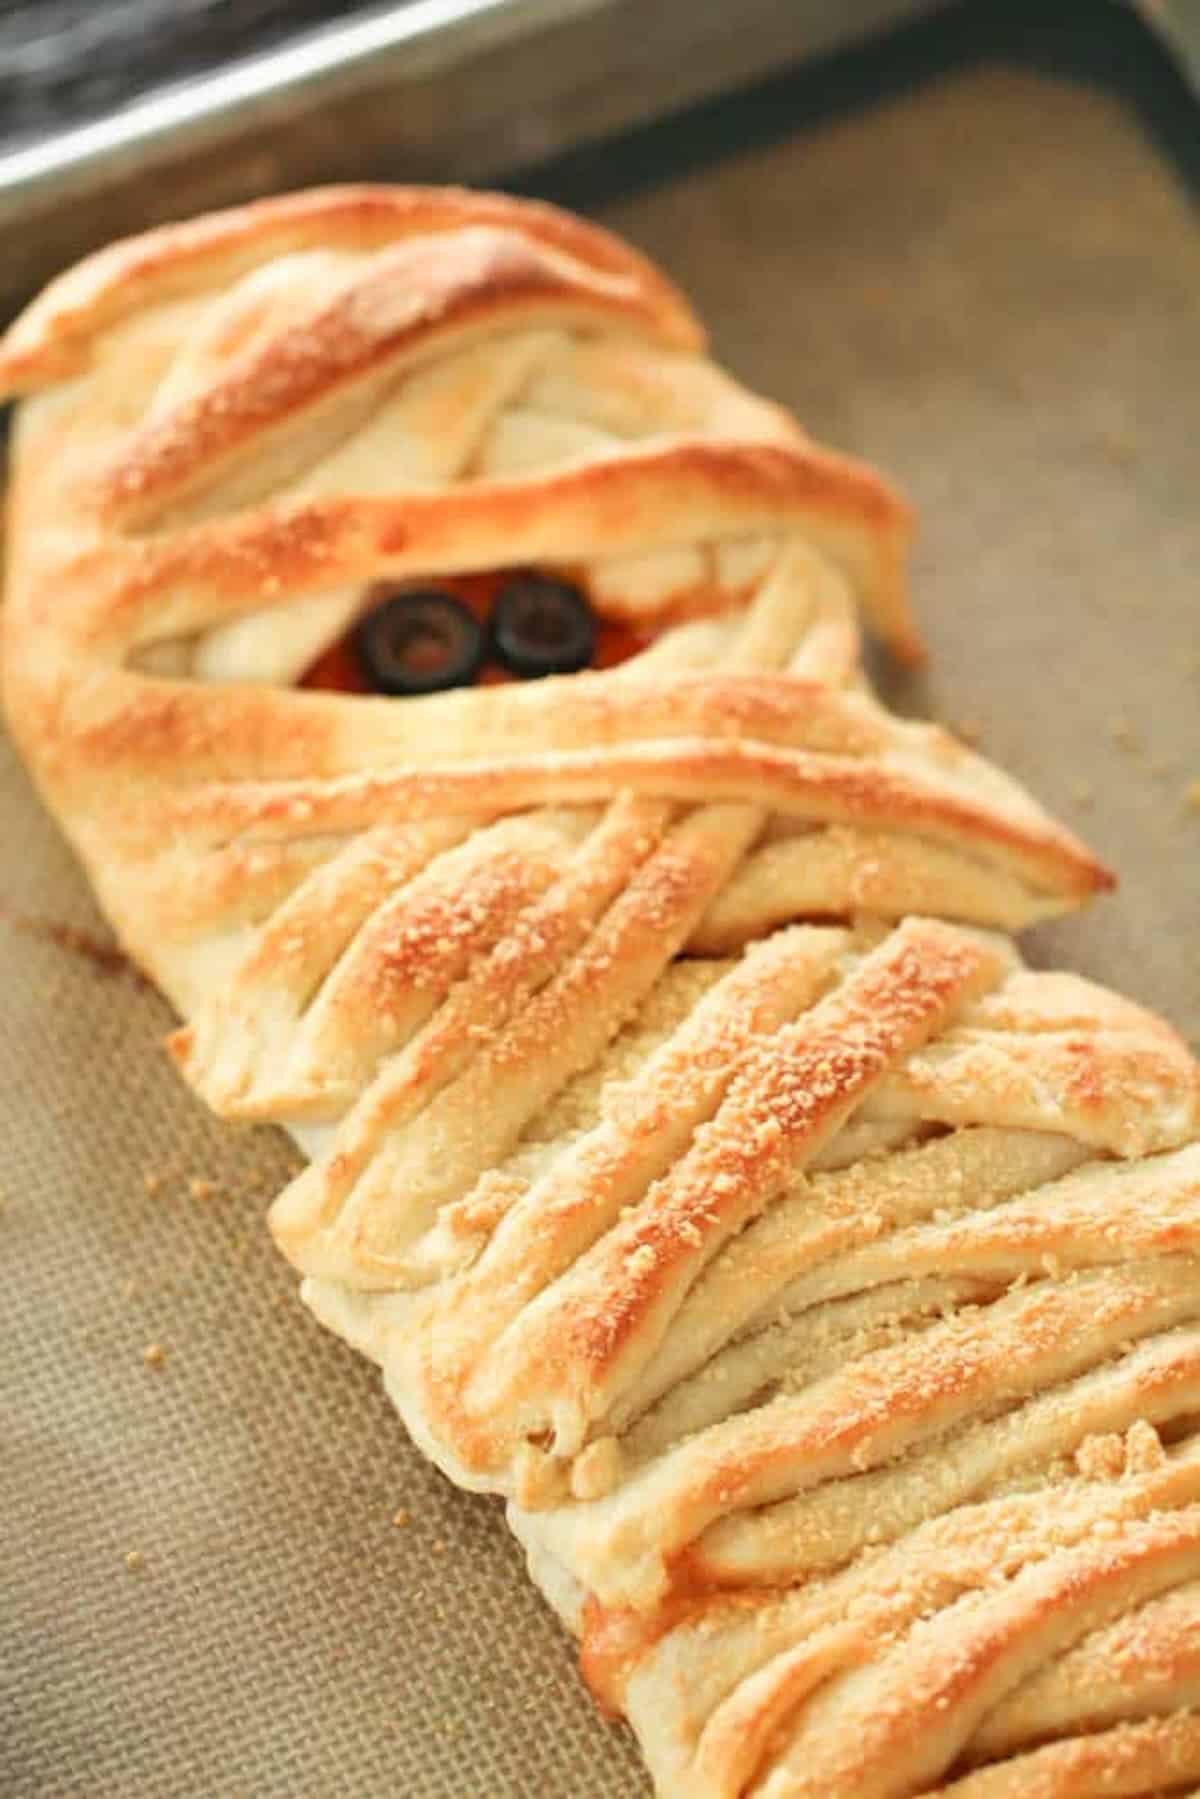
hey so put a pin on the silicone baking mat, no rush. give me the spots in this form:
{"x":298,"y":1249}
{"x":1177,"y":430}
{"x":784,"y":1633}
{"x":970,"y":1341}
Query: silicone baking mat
{"x":222,"y":1567}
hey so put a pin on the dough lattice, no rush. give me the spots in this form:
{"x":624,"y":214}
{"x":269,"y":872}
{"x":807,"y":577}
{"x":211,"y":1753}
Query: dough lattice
{"x":818,"y":1283}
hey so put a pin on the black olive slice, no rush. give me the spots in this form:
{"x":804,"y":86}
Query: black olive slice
{"x":541,"y":626}
{"x":422,"y":641}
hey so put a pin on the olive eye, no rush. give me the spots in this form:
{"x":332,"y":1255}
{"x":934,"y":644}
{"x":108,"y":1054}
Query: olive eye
{"x":541,"y":626}
{"x":420,"y":642}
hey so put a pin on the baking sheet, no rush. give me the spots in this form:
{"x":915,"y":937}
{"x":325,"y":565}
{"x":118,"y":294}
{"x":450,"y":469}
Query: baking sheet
{"x":415,"y":90}
{"x":991,"y":287}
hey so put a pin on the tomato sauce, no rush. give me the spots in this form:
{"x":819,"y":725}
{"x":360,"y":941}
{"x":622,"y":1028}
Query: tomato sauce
{"x":339,"y":670}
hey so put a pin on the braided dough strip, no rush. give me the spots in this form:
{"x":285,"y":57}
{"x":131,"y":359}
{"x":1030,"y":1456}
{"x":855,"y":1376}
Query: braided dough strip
{"x":1133,"y":1761}
{"x":895,"y":1342}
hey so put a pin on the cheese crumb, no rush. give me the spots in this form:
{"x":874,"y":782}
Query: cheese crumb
{"x":641,"y":1261}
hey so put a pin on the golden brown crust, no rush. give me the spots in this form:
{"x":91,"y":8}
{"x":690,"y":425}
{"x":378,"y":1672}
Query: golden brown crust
{"x":835,"y":1432}
{"x":413,"y":299}
{"x":787,"y":1298}
{"x":53,"y":338}
{"x":624,"y":1253}
{"x":1132,"y":1761}
{"x":198,"y":501}
{"x":884,"y":1679}
{"x":201,"y":502}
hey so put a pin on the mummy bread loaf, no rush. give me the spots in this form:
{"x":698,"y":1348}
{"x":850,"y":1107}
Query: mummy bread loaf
{"x":704,"y":1173}
{"x":238,"y":429}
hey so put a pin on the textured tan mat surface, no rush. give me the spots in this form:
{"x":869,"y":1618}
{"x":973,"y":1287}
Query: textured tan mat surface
{"x":1014,"y":331}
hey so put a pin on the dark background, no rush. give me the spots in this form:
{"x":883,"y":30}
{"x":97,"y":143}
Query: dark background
{"x":65,"y":62}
